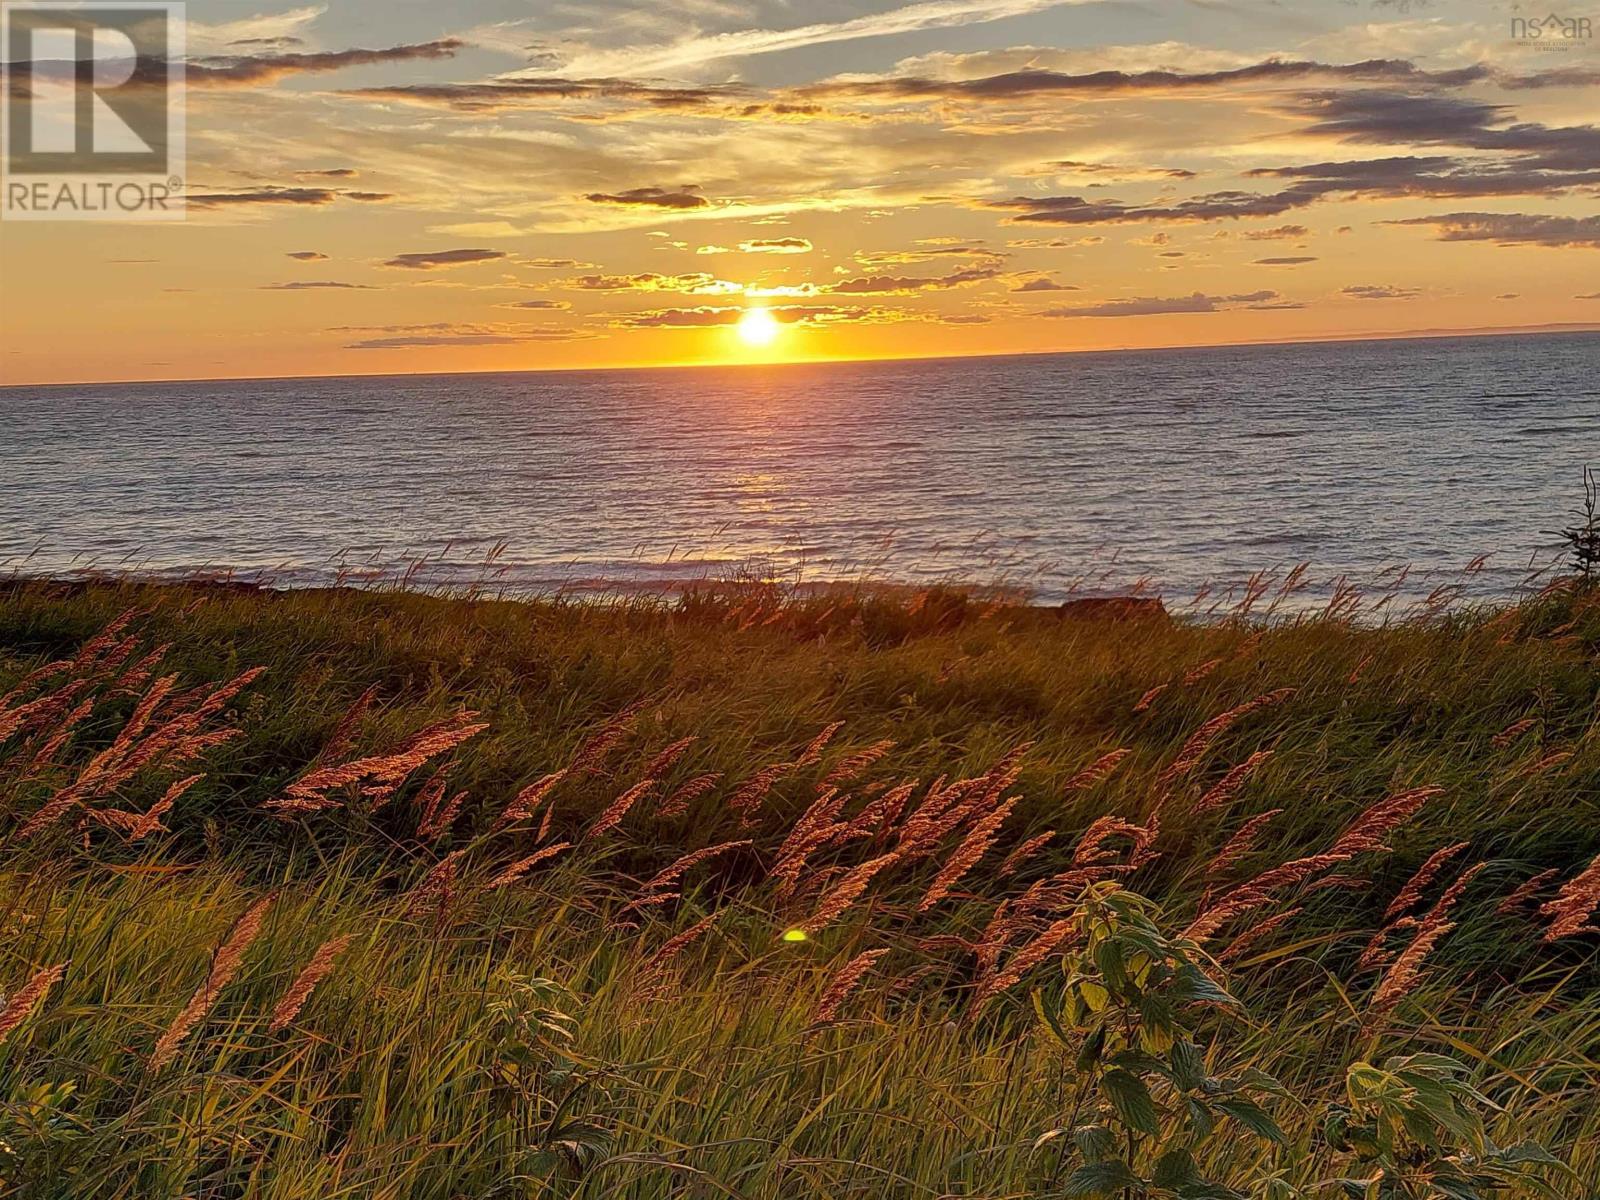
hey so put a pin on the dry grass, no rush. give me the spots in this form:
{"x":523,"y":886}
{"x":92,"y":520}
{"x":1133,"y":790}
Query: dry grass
{"x":509,"y":899}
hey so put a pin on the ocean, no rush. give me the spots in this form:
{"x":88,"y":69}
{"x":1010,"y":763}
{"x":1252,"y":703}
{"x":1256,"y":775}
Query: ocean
{"x":1392,"y":464}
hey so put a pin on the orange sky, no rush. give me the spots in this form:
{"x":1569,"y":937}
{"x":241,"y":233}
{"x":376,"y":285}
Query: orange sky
{"x":496,"y":186}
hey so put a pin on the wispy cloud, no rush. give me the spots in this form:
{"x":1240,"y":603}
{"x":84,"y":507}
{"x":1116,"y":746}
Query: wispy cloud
{"x":1147,"y":306}
{"x":699,"y":50}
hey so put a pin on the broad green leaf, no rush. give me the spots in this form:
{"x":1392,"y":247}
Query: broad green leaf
{"x":1089,"y":1054}
{"x":1253,"y":1117}
{"x":1174,"y":1169}
{"x":1188,"y":1065}
{"x":1191,"y":985}
{"x":1132,"y":1101}
{"x":1094,"y":1142}
{"x":1052,"y":1022}
{"x":1201,"y":1121}
{"x":1100,"y":1179}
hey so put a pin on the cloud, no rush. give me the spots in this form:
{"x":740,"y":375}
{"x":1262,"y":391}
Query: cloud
{"x":707,"y":317}
{"x":1385,"y":116}
{"x":1146,"y":306}
{"x":553,"y":264}
{"x":1540,"y":157}
{"x":1122,"y":174}
{"x":543,"y":304}
{"x":1513,"y":229}
{"x":263,"y":28}
{"x":308,"y":285}
{"x":927,"y":249}
{"x":264,"y":195}
{"x":900,"y":285}
{"x":330,"y":173}
{"x":1076,"y":210}
{"x":1023,"y":84}
{"x":1371,"y":291}
{"x":446,"y":333}
{"x":652,"y":197}
{"x":1285,"y":233}
{"x":249,"y":70}
{"x":696,"y":282}
{"x":1398,"y":177}
{"x":783,"y":245}
{"x":1045,"y":285}
{"x":1288,"y":260}
{"x":308,"y":255}
{"x":429,"y":260}
{"x":301,"y":196}
{"x":499,"y":95}
{"x":699,"y":49}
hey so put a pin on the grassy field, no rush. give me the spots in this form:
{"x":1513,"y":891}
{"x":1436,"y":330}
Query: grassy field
{"x":747,"y":896}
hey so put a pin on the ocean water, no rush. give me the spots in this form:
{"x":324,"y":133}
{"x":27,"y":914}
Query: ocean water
{"x":1390,"y":463}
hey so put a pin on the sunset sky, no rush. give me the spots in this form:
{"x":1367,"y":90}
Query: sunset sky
{"x":405,"y":185}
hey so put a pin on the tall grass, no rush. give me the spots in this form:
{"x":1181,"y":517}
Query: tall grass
{"x":388,"y":895}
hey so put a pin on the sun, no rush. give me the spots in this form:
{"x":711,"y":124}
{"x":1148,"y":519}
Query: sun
{"x":758,"y":327}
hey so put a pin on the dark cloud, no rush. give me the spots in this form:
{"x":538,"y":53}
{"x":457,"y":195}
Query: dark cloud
{"x":1513,"y":229}
{"x":783,"y":245}
{"x":1431,"y":177}
{"x":1044,"y":285}
{"x":500,"y":94}
{"x":1146,"y":306}
{"x":646,"y":281}
{"x":1379,"y":291}
{"x":309,"y":285}
{"x":265,"y":195}
{"x":1078,"y":210}
{"x":966,"y":319}
{"x":553,"y":264}
{"x":243,"y":71}
{"x":782,"y":109}
{"x":306,"y":196}
{"x":308,"y":255}
{"x":1283,"y":233}
{"x":1288,"y":260}
{"x":429,"y":260}
{"x":236,"y":70}
{"x":1399,"y":177}
{"x":330,"y":173}
{"x":1561,"y":77}
{"x":541,"y":304}
{"x":652,"y":197}
{"x":1012,"y":85}
{"x":1383,"y":116}
{"x":892,"y":285}
{"x":1539,"y":157}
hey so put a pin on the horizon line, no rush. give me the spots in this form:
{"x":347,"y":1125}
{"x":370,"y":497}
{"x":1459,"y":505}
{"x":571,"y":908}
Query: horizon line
{"x":1559,"y":328}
